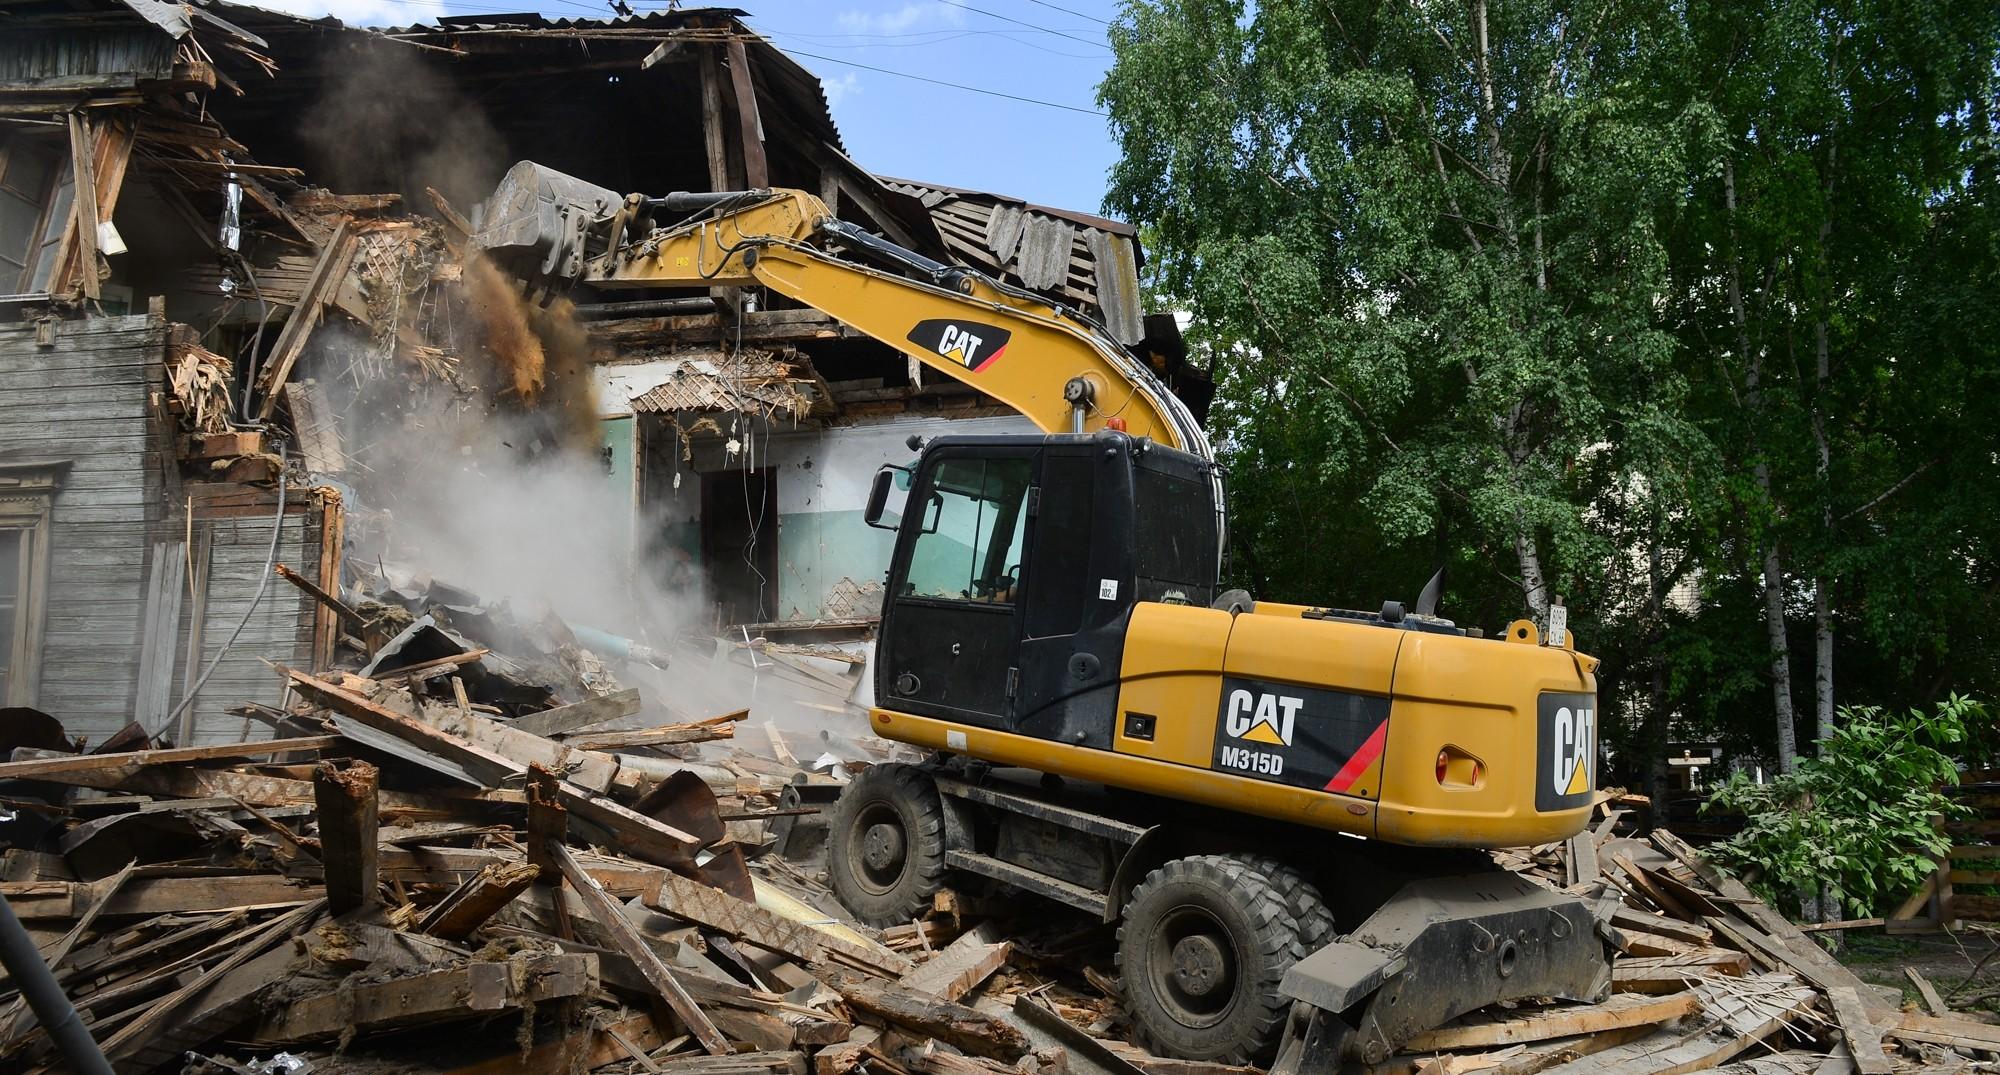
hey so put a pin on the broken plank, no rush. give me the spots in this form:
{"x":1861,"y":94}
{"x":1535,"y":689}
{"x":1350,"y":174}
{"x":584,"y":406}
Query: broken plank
{"x":1622,"y":1010}
{"x":1954,"y":1031}
{"x":663,"y":735}
{"x":459,"y":992}
{"x":577,"y":715}
{"x":609,"y":914}
{"x":1671,"y":974}
{"x":1862,"y":1036}
{"x":962,"y":965}
{"x":708,"y":906}
{"x":349,"y":827}
{"x":1637,"y":921}
{"x":1652,"y":889}
{"x":32,"y":764}
{"x":471,"y":904}
{"x":155,"y":895}
{"x":1933,"y":1003}
{"x":969,"y":1031}
{"x":635,"y":834}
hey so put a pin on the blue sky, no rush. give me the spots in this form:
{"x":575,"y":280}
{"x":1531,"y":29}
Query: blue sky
{"x":897,"y":125}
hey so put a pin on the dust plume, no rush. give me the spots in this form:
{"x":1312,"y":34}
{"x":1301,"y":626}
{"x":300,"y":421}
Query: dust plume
{"x":386,"y":119}
{"x":512,"y":345}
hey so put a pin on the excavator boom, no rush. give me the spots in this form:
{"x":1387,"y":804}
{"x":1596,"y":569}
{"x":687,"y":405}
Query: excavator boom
{"x":1045,"y":361}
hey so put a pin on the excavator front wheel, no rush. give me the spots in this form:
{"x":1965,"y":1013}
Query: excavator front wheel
{"x":885,"y":844}
{"x":1204,"y":943}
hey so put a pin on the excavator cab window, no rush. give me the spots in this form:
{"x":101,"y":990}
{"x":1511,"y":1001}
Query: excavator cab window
{"x":971,"y":526}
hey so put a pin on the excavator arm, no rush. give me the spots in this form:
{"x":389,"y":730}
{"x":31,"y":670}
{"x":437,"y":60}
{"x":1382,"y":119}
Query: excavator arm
{"x":1045,"y":361}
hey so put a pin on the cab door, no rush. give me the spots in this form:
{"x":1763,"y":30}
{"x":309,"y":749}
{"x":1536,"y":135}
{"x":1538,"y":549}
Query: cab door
{"x":952,"y":624}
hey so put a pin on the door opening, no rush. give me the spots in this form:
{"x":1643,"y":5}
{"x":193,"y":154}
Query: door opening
{"x":739,"y":544}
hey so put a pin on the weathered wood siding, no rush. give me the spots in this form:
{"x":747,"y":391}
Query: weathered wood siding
{"x":89,"y":399}
{"x":279,"y":627}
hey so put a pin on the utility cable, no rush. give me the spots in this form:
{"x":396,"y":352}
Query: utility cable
{"x":1029,"y":25}
{"x":951,"y":84}
{"x":263,"y":583}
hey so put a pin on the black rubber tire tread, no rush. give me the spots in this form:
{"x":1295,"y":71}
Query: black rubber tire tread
{"x":912,"y":794}
{"x":1231,"y":888}
{"x":1302,"y":899}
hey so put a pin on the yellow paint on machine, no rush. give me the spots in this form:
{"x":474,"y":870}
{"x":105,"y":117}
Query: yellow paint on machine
{"x":1477,"y":697}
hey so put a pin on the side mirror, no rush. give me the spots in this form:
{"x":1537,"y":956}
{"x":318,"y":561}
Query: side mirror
{"x":878,"y":498}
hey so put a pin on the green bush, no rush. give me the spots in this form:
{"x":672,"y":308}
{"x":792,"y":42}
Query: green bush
{"x":1859,"y":820}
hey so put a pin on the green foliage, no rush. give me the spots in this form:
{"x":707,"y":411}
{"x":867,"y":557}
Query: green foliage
{"x":1538,"y":292}
{"x":1860,"y":817}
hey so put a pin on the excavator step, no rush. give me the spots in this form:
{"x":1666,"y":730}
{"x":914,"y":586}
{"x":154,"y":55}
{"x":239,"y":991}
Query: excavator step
{"x":1065,"y":816}
{"x":1034,"y":881}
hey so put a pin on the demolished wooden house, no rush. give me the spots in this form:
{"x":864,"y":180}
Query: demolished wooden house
{"x":273,"y":250}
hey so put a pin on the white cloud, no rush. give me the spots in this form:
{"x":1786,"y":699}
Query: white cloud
{"x":839,"y":89}
{"x":901,"y":20}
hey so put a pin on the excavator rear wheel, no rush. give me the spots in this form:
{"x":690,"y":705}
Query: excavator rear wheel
{"x":885,"y":844}
{"x":1204,"y":943}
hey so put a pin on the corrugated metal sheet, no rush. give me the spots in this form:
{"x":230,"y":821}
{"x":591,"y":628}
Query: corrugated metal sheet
{"x":1087,"y":262}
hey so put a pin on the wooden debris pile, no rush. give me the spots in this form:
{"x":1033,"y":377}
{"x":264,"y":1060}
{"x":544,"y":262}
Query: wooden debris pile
{"x":1706,"y":977}
{"x":414,"y":881}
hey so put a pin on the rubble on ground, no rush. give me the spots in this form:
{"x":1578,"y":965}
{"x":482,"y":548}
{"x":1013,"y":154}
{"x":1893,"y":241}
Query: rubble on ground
{"x":435,"y":868}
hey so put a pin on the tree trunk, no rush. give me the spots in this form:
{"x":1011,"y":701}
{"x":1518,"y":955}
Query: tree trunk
{"x":1780,"y":667}
{"x":1533,"y":585}
{"x":1823,"y":485}
{"x":1653,"y":733}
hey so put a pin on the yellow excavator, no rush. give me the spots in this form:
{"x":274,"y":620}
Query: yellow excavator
{"x":1284,"y":808}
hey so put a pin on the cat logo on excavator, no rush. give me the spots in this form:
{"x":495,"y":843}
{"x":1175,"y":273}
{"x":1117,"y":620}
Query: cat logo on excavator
{"x":968,"y":343}
{"x":1569,"y":743}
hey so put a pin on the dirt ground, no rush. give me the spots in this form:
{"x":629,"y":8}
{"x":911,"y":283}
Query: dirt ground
{"x":1964,"y":966}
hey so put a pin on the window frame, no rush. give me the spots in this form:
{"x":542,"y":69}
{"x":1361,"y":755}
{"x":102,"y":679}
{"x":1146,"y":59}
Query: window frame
{"x":45,"y":202}
{"x":27,"y":503}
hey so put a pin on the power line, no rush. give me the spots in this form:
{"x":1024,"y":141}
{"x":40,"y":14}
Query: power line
{"x":950,"y":85}
{"x":1070,"y":11}
{"x":1029,"y":25}
{"x":949,"y":35}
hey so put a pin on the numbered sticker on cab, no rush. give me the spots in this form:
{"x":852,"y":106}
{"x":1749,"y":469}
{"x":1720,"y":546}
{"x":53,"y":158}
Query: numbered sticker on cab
{"x":1566,"y":764}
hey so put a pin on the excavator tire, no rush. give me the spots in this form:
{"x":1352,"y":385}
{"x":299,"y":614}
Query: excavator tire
{"x":1204,"y":943}
{"x":1302,"y":899}
{"x":885,"y":849}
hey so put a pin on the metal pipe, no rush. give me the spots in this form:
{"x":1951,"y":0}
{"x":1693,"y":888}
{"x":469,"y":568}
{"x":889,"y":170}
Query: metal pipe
{"x":599,"y":311}
{"x":38,"y":984}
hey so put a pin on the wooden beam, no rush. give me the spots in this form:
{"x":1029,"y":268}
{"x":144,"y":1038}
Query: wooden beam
{"x":349,"y":825}
{"x":639,"y":836}
{"x":472,"y":903}
{"x":154,"y":895}
{"x":662,"y":735}
{"x":1622,"y":1010}
{"x":962,"y":966}
{"x":41,"y":763}
{"x":718,"y":910}
{"x":610,"y":916}
{"x":460,"y":992}
{"x":756,"y":171}
{"x":577,"y":715}
{"x":973,"y":1032}
{"x":713,"y":139}
{"x":83,"y":153}
{"x":327,"y":272}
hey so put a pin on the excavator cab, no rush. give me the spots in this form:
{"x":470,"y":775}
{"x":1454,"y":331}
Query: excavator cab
{"x":1017,"y":566}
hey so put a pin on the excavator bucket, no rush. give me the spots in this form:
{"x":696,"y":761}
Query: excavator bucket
{"x":539,"y":223}
{"x":1441,"y":947}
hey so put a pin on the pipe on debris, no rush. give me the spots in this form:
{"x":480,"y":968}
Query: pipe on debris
{"x":600,"y":311}
{"x":57,"y":1015}
{"x":715,"y":776}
